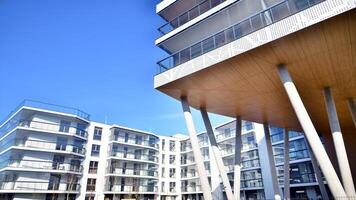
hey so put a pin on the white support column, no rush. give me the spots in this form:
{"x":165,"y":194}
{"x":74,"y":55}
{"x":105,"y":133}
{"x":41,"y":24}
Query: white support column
{"x":237,"y":167}
{"x":286,"y":165}
{"x":312,"y":136}
{"x":217,"y":155}
{"x":352,"y":108}
{"x":317,"y":172}
{"x":339,"y":144}
{"x":277,"y":195}
{"x":204,"y":181}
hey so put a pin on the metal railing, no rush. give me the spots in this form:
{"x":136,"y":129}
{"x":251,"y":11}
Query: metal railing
{"x":38,"y":164}
{"x":132,"y":171}
{"x":53,"y":127}
{"x":189,"y":15}
{"x":256,"y":22}
{"x":132,"y":188}
{"x":134,"y":140}
{"x":132,"y":155}
{"x":37,"y":144}
{"x":38,"y":186}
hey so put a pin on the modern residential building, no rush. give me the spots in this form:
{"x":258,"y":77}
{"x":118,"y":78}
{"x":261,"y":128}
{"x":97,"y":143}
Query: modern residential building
{"x":51,"y":152}
{"x":285,"y":63}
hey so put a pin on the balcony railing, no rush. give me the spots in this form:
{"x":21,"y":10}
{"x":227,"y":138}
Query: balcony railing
{"x":44,"y":145}
{"x":39,"y":186}
{"x":132,"y":155}
{"x":132,"y":188}
{"x":134,"y":140}
{"x":42,"y":165}
{"x":191,"y":188}
{"x":134,"y":172}
{"x":53,"y":127}
{"x":264,"y":18}
{"x":189,"y":15}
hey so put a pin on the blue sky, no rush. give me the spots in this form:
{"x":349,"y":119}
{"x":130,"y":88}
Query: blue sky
{"x":97,"y":55}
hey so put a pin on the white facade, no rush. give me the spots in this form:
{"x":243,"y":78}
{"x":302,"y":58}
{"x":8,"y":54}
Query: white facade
{"x":58,"y":155}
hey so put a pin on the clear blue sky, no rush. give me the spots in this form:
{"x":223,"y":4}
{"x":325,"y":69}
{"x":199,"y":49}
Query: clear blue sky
{"x":97,"y":55}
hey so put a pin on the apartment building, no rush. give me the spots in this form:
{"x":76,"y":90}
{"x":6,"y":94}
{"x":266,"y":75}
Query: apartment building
{"x":52,"y":152}
{"x":286,"y":63}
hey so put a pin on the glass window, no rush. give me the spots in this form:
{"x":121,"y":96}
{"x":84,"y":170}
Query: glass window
{"x":163,"y":158}
{"x":97,"y":133}
{"x":95,"y":150}
{"x":93,"y":167}
{"x":172,"y":172}
{"x":162,"y":186}
{"x":81,"y":130}
{"x":172,"y":159}
{"x":172,"y":187}
{"x":163,"y":144}
{"x":91,"y":184}
{"x":163,"y":172}
{"x":64,"y":126}
{"x":172,"y":146}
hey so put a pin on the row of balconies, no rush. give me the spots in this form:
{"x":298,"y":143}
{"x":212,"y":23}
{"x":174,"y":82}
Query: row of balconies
{"x":242,"y":28}
{"x":135,"y":141}
{"x":44,"y":145}
{"x":132,"y":188}
{"x":41,"y":165}
{"x":135,"y":156}
{"x":39,"y":186}
{"x":133,"y":172}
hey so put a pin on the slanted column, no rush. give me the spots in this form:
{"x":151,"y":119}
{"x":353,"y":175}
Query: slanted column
{"x":237,"y":166}
{"x":277,"y":195}
{"x":286,"y":165}
{"x":217,"y":155}
{"x":339,"y":144}
{"x":312,"y":136}
{"x":352,"y":108}
{"x":196,"y":150}
{"x":317,"y":172}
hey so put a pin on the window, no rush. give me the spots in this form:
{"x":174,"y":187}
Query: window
{"x":95,"y":150}
{"x":97,"y":133}
{"x":163,"y":144}
{"x":64,"y":126}
{"x":81,"y":130}
{"x":172,"y":145}
{"x":162,"y":187}
{"x":91,"y":184}
{"x":163,"y":172}
{"x":172,"y":186}
{"x":163,"y":158}
{"x":90,"y":197}
{"x":172,"y":172}
{"x":93,"y":167}
{"x":172,"y":159}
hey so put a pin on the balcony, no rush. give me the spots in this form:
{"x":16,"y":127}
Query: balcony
{"x":242,"y":28}
{"x":189,"y":15}
{"x":132,"y":189}
{"x":32,"y":186}
{"x":191,"y":188}
{"x":41,"y":165}
{"x":135,"y":141}
{"x":133,"y":156}
{"x":133,"y":172}
{"x":44,"y":145}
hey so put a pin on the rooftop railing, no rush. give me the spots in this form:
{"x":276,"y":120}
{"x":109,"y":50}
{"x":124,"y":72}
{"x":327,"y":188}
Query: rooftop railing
{"x":42,"y":165}
{"x":38,"y":186}
{"x":242,"y":28}
{"x":189,"y":15}
{"x":50,"y":107}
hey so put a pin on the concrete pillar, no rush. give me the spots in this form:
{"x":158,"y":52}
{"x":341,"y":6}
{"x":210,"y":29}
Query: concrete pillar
{"x":352,"y":108}
{"x":196,"y":150}
{"x":237,"y":166}
{"x":339,"y":144}
{"x":286,"y":165}
{"x":317,"y":172}
{"x":312,"y":136}
{"x":277,"y":195}
{"x":217,"y":155}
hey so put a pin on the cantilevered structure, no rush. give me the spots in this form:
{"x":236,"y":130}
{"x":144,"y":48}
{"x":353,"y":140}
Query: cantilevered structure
{"x":288,"y":63}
